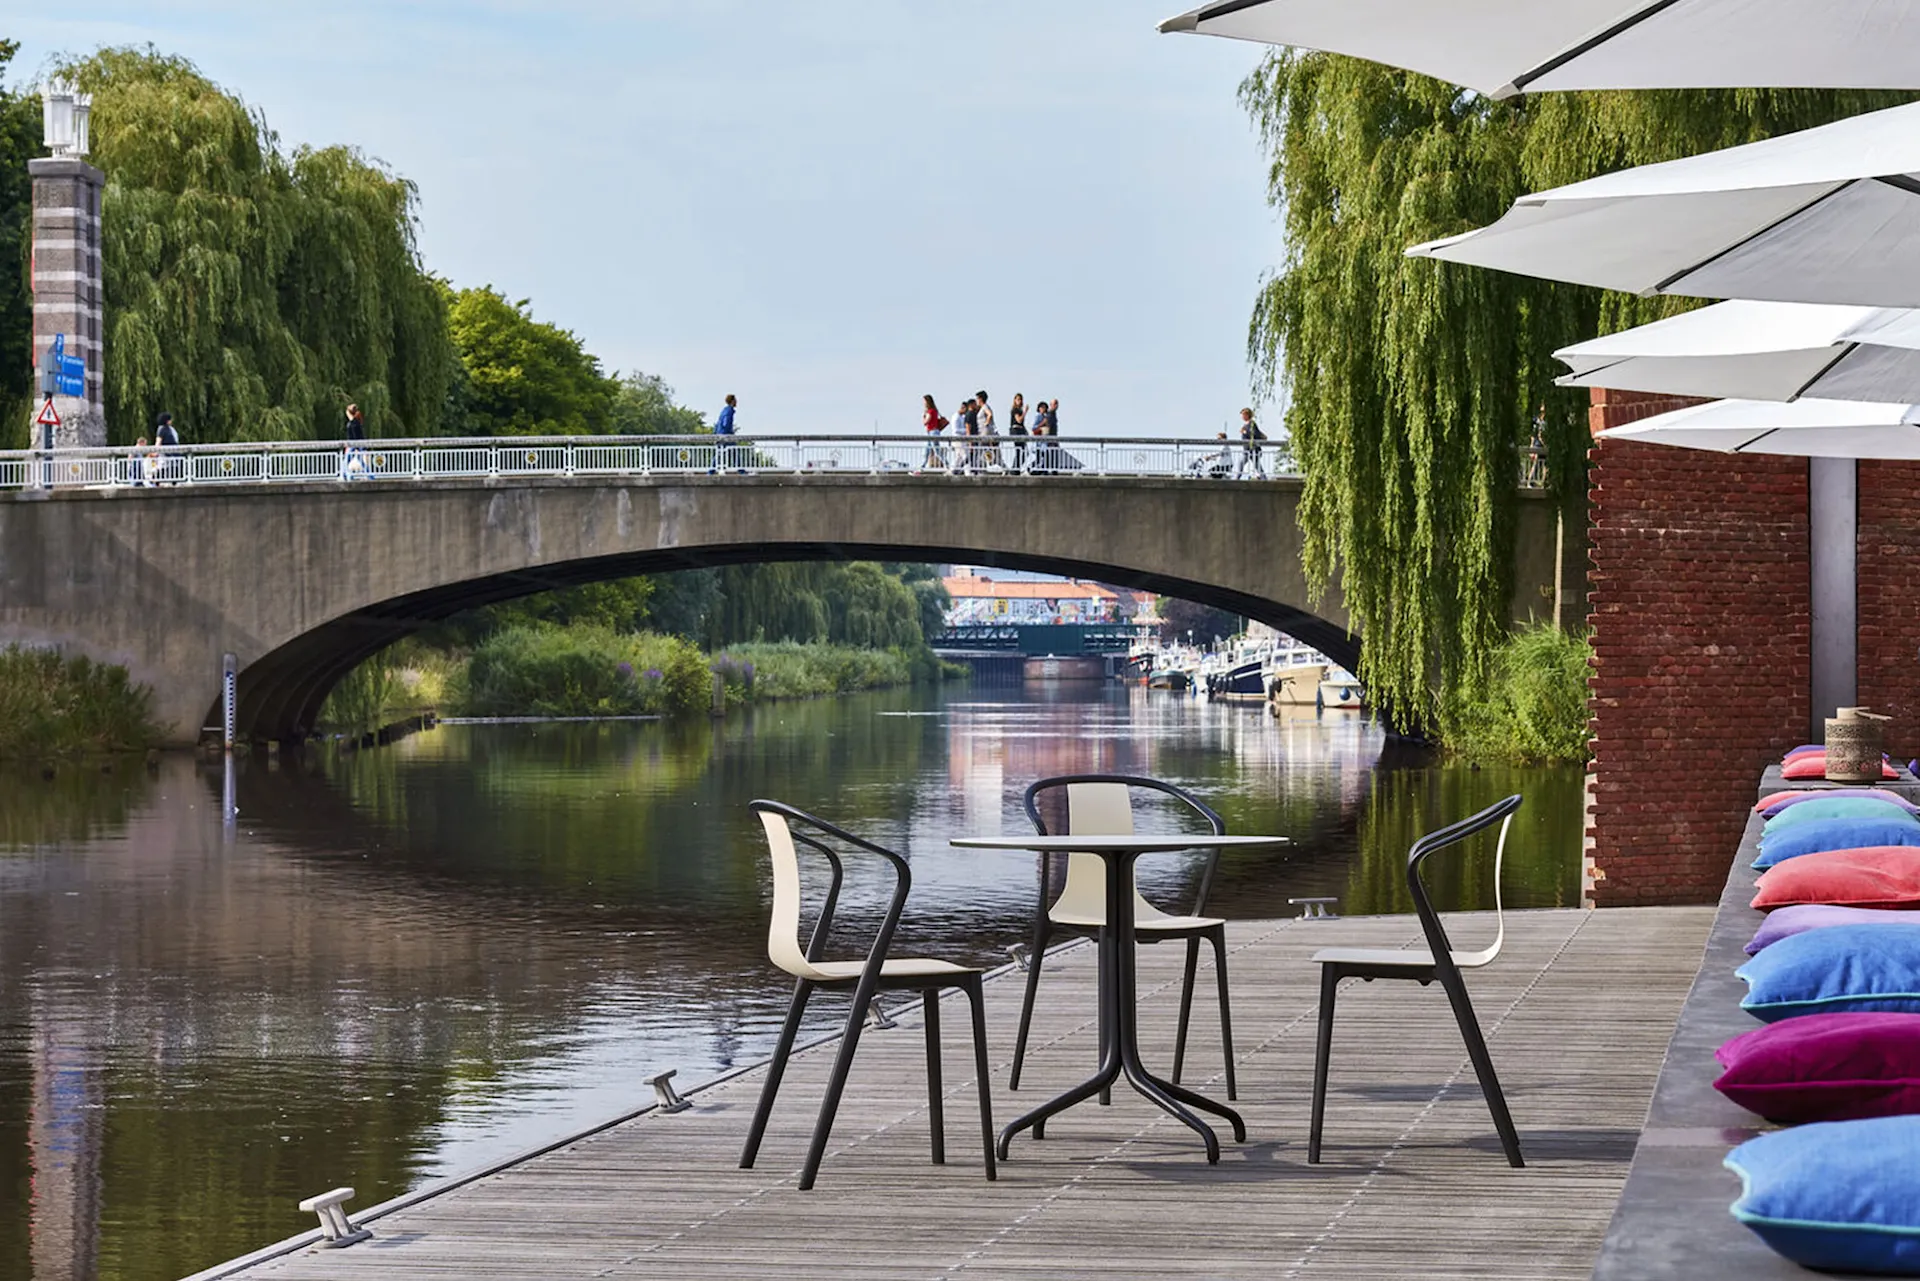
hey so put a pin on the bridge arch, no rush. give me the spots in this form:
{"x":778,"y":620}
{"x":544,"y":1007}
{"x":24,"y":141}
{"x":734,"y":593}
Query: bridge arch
{"x":302,"y":582}
{"x":281,"y":693}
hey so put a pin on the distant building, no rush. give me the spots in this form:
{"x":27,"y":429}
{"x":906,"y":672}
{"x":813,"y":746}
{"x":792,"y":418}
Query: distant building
{"x":1005,"y":596}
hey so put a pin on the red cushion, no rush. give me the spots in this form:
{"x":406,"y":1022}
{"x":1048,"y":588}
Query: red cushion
{"x":1874,"y":876}
{"x":1825,"y":1067}
{"x":1814,"y":765}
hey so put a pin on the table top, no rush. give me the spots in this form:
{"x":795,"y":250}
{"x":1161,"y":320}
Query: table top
{"x":1137,"y":844}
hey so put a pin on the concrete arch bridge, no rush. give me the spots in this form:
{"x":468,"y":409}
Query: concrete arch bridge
{"x":303,"y":577}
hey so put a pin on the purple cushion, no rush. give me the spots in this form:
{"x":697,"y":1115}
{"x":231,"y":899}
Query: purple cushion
{"x":1790,"y":799}
{"x":1800,"y":917}
{"x":1825,"y":1067}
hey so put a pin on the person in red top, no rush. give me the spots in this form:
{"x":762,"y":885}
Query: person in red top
{"x":930,"y":419}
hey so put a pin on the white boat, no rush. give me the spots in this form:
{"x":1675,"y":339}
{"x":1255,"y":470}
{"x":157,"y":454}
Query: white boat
{"x":1297,"y":684}
{"x":1342,"y":690}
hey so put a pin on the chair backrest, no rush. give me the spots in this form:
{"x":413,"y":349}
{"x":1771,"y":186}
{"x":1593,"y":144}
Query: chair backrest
{"x":780,"y":823}
{"x":1502,"y":813}
{"x":1102,"y":805}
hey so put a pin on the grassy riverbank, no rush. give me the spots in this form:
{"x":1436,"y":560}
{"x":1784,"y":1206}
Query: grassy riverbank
{"x":592,"y":670}
{"x":1532,"y":706}
{"x":55,"y":706}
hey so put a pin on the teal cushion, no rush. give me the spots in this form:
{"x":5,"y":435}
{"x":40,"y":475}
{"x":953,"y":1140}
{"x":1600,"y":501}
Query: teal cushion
{"x":1836,"y":807}
{"x":1857,"y":968}
{"x":1840,"y":1196}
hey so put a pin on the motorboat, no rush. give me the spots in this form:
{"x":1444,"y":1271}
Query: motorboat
{"x":1342,"y":690}
{"x":1297,"y":684}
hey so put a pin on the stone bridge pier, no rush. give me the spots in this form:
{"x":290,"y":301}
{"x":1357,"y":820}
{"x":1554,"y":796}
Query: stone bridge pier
{"x":303,"y":582}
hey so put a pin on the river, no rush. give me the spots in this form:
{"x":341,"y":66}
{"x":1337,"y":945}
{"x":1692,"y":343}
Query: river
{"x":388,"y":966}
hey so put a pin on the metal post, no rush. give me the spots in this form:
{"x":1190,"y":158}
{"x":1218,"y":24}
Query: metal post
{"x":229,"y":687}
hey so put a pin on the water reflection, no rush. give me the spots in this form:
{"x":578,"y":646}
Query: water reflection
{"x":394,"y":964}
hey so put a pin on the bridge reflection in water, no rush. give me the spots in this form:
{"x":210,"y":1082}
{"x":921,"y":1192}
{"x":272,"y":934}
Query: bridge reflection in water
{"x":406,"y":961}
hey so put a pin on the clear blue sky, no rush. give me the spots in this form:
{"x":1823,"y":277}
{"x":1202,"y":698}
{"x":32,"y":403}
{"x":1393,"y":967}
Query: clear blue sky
{"x":827,"y":209}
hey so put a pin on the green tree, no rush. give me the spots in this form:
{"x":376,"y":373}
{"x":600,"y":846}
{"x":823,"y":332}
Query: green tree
{"x":250,"y":292}
{"x":1412,"y":385}
{"x":643,"y":405}
{"x":19,"y":143}
{"x":523,"y":377}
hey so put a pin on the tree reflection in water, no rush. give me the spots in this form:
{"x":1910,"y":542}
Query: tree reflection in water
{"x":408,"y":960}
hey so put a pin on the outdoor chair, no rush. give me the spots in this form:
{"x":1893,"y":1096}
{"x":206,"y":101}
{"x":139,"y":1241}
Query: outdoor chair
{"x":1102,"y":805}
{"x":787,"y":829}
{"x":1437,"y":960}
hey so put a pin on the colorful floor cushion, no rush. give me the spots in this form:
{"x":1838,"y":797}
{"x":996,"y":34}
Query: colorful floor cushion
{"x":1805,"y":749}
{"x":1823,"y":834}
{"x":1838,"y":1196}
{"x":1814,"y":811}
{"x":1825,"y":1067}
{"x":1857,"y":968}
{"x":1778,"y":802}
{"x":1802,"y":917}
{"x":1883,"y":877}
{"x":1814,"y":765}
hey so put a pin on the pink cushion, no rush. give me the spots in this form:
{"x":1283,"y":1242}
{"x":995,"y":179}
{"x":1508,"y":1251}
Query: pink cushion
{"x":1814,"y":765}
{"x":1876,"y":876}
{"x":1825,"y":1067}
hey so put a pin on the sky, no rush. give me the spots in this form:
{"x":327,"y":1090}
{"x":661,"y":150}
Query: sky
{"x":825,"y":208}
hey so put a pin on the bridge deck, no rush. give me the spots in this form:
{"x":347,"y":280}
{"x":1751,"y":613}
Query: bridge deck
{"x":1578,"y":1011}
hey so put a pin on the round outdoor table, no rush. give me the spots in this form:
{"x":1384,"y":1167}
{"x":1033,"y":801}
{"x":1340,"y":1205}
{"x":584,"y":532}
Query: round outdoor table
{"x":1119,"y":1022}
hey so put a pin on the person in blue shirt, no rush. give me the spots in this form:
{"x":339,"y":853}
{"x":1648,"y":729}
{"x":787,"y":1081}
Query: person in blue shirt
{"x":723,"y":426}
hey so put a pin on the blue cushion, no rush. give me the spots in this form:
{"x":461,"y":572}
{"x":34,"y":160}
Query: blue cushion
{"x":1836,"y":807}
{"x":1860,"y":968}
{"x":1823,"y":834}
{"x":1835,"y":1195}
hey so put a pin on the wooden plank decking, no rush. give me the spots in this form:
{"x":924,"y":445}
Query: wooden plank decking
{"x":1578,"y":1011}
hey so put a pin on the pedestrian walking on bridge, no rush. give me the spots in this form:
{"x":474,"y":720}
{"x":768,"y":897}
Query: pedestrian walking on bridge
{"x":165,"y":438}
{"x":1250,"y":438}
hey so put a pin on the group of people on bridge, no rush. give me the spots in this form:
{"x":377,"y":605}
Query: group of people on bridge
{"x":977,"y":428}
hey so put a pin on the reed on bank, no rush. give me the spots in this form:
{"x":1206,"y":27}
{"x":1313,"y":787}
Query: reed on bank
{"x":1532,"y":706}
{"x":55,"y":705}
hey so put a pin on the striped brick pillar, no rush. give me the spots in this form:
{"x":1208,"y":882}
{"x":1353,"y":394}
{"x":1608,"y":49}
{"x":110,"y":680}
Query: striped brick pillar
{"x":1702,"y":609}
{"x":67,"y":292}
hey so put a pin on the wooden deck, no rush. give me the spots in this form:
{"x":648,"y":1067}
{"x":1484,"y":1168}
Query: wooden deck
{"x":1578,"y":1012}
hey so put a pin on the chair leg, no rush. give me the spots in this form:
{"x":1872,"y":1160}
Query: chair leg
{"x":982,"y":1074}
{"x":1186,"y":1008}
{"x":1219,"y":938}
{"x":936,"y":1119}
{"x":776,"y":1069}
{"x":1040,"y":933}
{"x":836,"y":1084}
{"x":1322,"y":1051}
{"x":1483,"y":1067}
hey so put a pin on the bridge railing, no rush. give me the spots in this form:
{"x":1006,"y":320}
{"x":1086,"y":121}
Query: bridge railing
{"x":963,"y":458}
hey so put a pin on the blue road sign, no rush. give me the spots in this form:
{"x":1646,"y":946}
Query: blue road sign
{"x":70,"y":379}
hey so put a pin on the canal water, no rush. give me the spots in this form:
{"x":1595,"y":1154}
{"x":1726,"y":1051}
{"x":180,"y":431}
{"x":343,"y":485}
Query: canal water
{"x":395,"y":965}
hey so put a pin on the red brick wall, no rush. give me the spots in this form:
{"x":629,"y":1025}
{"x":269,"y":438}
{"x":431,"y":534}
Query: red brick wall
{"x":1700,"y":611}
{"x":1889,"y":600}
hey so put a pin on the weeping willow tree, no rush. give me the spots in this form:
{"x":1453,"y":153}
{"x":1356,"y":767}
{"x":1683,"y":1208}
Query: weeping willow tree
{"x":19,"y":143}
{"x":1413,"y":386}
{"x":250,"y":292}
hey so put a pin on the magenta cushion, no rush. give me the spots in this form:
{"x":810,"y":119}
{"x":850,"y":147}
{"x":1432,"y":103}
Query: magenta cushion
{"x":1825,"y":1067}
{"x":1801,"y":917}
{"x":1814,"y":765}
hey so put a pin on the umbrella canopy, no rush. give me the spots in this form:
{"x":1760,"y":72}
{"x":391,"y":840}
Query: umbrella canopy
{"x":1804,"y":429}
{"x":1503,"y":47}
{"x":1827,"y":215}
{"x":1760,"y":351}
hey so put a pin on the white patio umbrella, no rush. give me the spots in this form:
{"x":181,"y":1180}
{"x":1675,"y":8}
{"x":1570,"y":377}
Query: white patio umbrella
{"x":1828,"y":215}
{"x":1503,"y":47}
{"x":1760,"y":351}
{"x":1803,"y":429}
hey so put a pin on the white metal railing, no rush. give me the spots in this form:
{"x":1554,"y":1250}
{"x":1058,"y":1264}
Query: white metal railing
{"x":308,"y":462}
